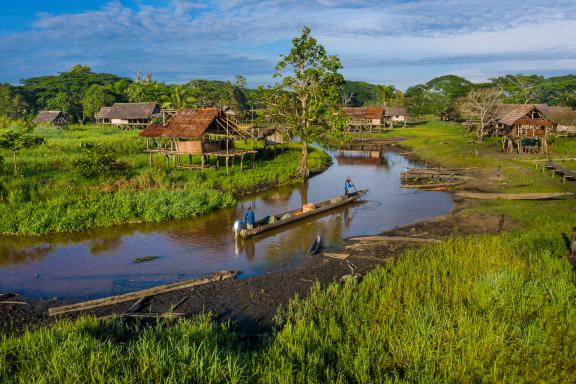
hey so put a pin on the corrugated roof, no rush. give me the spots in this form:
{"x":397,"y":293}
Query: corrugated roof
{"x":103,"y":113}
{"x":185,"y":124}
{"x":365,"y":113}
{"x":394,"y":111}
{"x":130,"y":111}
{"x":46,"y":117}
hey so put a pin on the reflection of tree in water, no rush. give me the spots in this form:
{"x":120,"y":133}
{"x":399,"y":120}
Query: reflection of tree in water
{"x":98,"y":246}
{"x":303,"y":188}
{"x":279,"y":194}
{"x":12,"y":253}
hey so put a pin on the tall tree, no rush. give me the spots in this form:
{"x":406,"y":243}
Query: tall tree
{"x":307,"y":98}
{"x":95,"y":98}
{"x":480,"y":105}
{"x":522,"y":89}
{"x":179,"y":98}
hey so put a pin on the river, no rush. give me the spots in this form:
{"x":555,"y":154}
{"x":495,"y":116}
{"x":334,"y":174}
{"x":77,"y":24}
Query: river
{"x":101,"y":262}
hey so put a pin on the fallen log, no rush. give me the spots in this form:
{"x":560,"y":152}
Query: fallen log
{"x":150,"y":315}
{"x":14,"y":302}
{"x":513,"y":196}
{"x":339,"y":256}
{"x":218,"y":276}
{"x":5,"y":296}
{"x":139,"y":304}
{"x":395,"y":238}
{"x":431,"y":185}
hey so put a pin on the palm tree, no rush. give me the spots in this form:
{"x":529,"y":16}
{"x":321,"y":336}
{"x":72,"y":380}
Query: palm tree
{"x":179,"y":98}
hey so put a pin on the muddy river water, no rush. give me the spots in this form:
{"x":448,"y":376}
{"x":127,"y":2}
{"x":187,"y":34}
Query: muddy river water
{"x":101,"y":262}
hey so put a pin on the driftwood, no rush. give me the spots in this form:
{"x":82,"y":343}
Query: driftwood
{"x":150,"y":315}
{"x":431,"y":185}
{"x":172,"y":308}
{"x":339,"y":256}
{"x":5,"y":296}
{"x":513,"y":196}
{"x":218,"y":276}
{"x":14,"y":302}
{"x":395,"y":238}
{"x":139,"y":304}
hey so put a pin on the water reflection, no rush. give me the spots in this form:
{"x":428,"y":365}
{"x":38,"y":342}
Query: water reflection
{"x":65,"y":266}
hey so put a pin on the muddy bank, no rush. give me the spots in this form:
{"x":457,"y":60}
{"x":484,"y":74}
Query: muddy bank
{"x":252,"y":303}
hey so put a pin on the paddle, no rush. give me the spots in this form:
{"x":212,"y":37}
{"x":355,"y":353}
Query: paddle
{"x":353,"y":186}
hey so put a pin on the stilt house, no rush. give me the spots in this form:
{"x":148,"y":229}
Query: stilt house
{"x":564,"y":119}
{"x":365,"y":118}
{"x":200,"y":132}
{"x":395,"y":115}
{"x":137,"y":115}
{"x":102,"y":117}
{"x":53,"y":118}
{"x":525,"y":128}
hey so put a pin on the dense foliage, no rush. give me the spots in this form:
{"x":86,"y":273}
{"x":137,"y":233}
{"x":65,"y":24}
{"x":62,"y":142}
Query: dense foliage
{"x":85,"y":177}
{"x":306,"y":100}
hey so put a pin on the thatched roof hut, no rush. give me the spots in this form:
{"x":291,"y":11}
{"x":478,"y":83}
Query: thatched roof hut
{"x":54,"y":118}
{"x":525,"y":127}
{"x":133,"y":114}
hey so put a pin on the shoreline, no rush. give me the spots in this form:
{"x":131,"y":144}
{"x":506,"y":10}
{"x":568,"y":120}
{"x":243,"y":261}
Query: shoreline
{"x":252,"y":303}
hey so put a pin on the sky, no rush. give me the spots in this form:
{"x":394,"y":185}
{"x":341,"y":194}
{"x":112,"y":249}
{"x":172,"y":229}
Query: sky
{"x":398,"y":42}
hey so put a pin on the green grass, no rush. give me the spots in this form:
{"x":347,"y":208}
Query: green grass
{"x":476,"y":308}
{"x":52,"y":196}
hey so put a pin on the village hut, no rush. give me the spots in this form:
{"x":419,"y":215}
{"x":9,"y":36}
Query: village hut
{"x":395,"y":115}
{"x":52,"y":118}
{"x":524,"y":128}
{"x":137,"y":115}
{"x":365,"y":118}
{"x":102,"y":117}
{"x":564,"y":119}
{"x":200,"y":132}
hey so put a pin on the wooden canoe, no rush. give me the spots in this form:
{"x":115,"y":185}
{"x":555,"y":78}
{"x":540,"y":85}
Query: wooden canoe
{"x":298,"y":214}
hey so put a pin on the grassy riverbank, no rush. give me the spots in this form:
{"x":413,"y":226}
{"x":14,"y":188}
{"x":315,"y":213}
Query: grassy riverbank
{"x":64,"y":186}
{"x":476,"y":308}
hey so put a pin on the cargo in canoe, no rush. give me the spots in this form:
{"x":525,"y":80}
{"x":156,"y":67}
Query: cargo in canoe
{"x":271,"y":222}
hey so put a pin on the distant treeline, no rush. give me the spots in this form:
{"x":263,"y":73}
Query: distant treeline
{"x":80,"y":93}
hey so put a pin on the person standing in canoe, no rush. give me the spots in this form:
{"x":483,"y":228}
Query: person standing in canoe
{"x":348,"y":186}
{"x":249,"y":218}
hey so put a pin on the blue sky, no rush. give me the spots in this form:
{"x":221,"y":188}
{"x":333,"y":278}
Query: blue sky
{"x":399,"y":42}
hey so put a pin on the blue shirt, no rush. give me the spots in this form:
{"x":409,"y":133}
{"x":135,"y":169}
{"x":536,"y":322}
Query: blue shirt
{"x":347,"y":187}
{"x":249,"y":217}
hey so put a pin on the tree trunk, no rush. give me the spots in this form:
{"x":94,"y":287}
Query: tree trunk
{"x":303,"y":167}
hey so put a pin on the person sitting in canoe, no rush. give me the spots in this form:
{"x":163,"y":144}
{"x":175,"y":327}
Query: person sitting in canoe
{"x":249,"y":218}
{"x":348,"y":186}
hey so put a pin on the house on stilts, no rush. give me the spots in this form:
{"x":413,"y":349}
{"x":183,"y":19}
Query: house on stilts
{"x":524,"y":128}
{"x":208,"y":133}
{"x":133,"y":115}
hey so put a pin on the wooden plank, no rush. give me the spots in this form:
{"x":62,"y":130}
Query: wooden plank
{"x":339,"y":256}
{"x":395,"y":238}
{"x":218,"y":276}
{"x":151,"y":315}
{"x":513,"y":196}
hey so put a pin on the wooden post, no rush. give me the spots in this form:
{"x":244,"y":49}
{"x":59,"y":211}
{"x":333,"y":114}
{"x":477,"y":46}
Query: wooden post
{"x":227,"y":172}
{"x":241,"y":162}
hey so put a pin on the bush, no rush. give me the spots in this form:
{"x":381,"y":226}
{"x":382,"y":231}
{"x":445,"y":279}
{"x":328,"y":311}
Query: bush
{"x":99,"y":160}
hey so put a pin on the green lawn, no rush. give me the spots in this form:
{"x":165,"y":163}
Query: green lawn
{"x":52,"y":195}
{"x":476,"y":308}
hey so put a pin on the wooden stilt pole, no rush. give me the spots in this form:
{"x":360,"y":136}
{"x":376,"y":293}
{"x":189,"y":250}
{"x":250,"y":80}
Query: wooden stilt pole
{"x":241,"y":162}
{"x":227,"y":172}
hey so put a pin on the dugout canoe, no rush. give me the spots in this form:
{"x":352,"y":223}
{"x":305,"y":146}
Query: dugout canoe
{"x":265,"y":223}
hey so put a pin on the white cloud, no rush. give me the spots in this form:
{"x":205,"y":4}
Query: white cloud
{"x":384,"y":41}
